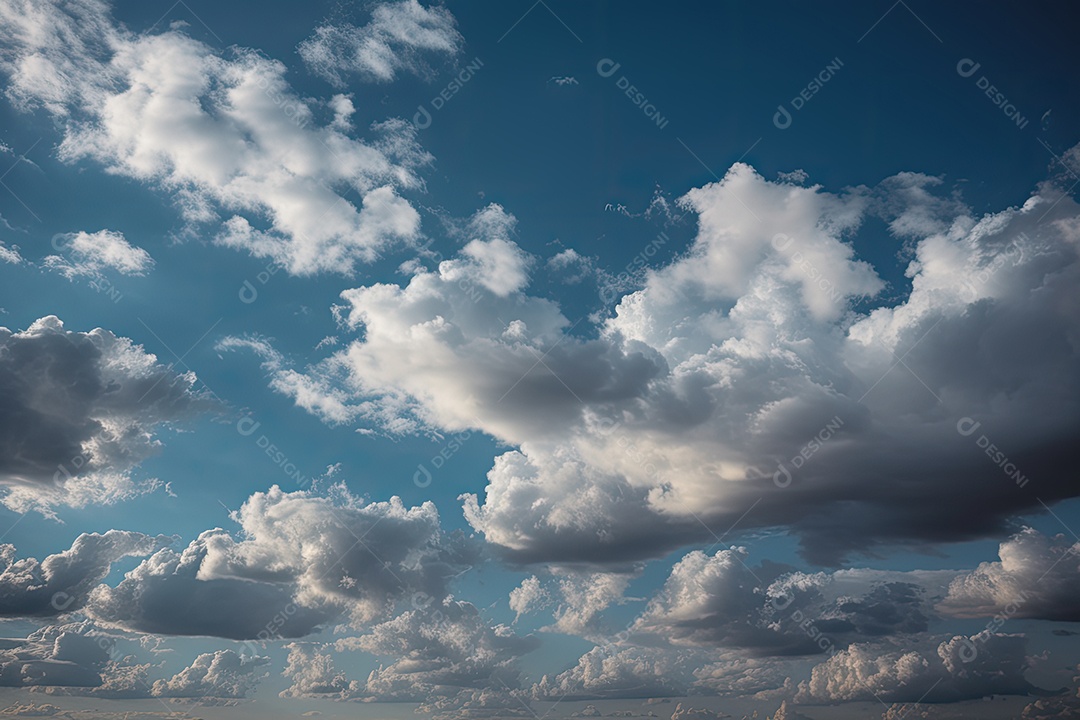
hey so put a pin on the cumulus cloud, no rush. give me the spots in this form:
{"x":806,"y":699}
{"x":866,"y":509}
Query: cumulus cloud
{"x":770,"y":610}
{"x":612,"y":672}
{"x":219,"y":674}
{"x":744,"y":373}
{"x":313,"y":675}
{"x":303,"y":560}
{"x":442,"y":650}
{"x":224,"y":135}
{"x":528,"y":597}
{"x":1036,"y":577}
{"x":67,"y":655}
{"x":62,"y":582}
{"x":585,"y":596}
{"x":962,"y":668}
{"x":91,"y":254}
{"x":398,"y":39}
{"x":9,"y":254}
{"x":80,"y":413}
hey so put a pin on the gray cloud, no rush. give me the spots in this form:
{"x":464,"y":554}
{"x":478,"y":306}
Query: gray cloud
{"x":1036,"y":577}
{"x":80,"y":411}
{"x":304,"y":560}
{"x":62,"y":582}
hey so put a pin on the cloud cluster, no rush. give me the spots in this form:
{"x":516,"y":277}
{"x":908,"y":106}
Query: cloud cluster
{"x":611,"y":672}
{"x":226,"y":136}
{"x":442,"y":650}
{"x":754,"y":370}
{"x":9,"y":254}
{"x":398,"y":38}
{"x":62,"y":582}
{"x":303,"y":560}
{"x":220,"y":674}
{"x":962,"y":668}
{"x":720,"y":601}
{"x":313,"y":675}
{"x":1036,"y":577}
{"x":67,"y":655}
{"x":80,"y":413}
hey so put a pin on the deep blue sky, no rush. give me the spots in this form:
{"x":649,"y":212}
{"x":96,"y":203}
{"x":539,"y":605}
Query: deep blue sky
{"x":559,"y":158}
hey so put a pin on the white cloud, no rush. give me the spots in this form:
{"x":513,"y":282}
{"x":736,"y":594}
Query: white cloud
{"x":313,"y":675}
{"x":80,"y":414}
{"x":226,"y":136}
{"x":9,"y":254}
{"x":611,"y":672}
{"x":962,"y":668}
{"x":90,"y":254}
{"x":742,"y":361}
{"x":585,"y":596}
{"x":528,"y":597}
{"x":442,"y":649}
{"x":398,"y":38}
{"x":1036,"y":577}
{"x":303,"y":560}
{"x":219,"y":674}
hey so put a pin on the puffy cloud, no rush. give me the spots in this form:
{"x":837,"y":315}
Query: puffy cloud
{"x":223,"y":135}
{"x":62,"y":582}
{"x":303,"y":560}
{"x":485,"y":703}
{"x":612,"y":672}
{"x":80,"y":411}
{"x":90,"y":254}
{"x":735,"y":675}
{"x":720,"y":601}
{"x":742,"y":375}
{"x":1036,"y":577}
{"x":528,"y":597}
{"x":963,"y":668}
{"x":67,"y":655}
{"x":9,"y":254}
{"x":787,"y":712}
{"x":585,"y":596}
{"x":220,"y":674}
{"x":442,"y":650}
{"x":398,"y":37}
{"x":313,"y":675}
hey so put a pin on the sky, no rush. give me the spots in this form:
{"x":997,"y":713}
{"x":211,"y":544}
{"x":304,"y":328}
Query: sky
{"x":539,"y":360}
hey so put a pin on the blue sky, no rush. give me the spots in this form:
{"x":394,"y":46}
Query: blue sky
{"x":718,"y":354}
